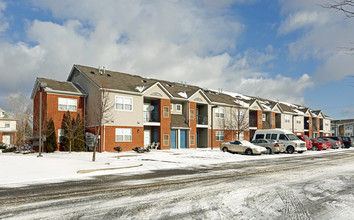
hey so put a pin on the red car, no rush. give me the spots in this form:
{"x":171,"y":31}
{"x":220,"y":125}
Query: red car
{"x":319,"y":145}
{"x":307,"y":140}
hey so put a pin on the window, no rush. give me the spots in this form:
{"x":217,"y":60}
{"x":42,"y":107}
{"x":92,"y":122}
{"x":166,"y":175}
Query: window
{"x":326,"y":123}
{"x":124,"y":103}
{"x":298,"y":120}
{"x":283,"y":137}
{"x":192,"y":140}
{"x":66,"y":104}
{"x":259,"y":136}
{"x":220,"y":135}
{"x":191,"y":116}
{"x":287,"y":119}
{"x":166,"y":112}
{"x":166,"y":139}
{"x":273,"y":137}
{"x":7,"y":124}
{"x":178,"y":107}
{"x":61,"y":135}
{"x":264,"y":117}
{"x":219,"y":112}
{"x":267,"y":136}
{"x":123,"y":134}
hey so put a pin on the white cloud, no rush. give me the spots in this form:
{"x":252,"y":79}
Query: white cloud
{"x":3,"y":22}
{"x":301,"y":20}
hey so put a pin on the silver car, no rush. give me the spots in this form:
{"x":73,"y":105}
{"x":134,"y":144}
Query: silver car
{"x":244,"y":147}
{"x":334,"y":143}
{"x":272,"y":146}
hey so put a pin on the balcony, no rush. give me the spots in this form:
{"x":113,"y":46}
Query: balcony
{"x":202,"y":120}
{"x":151,"y":116}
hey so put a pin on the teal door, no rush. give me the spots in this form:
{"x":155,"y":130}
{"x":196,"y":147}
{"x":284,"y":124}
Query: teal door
{"x":155,"y":136}
{"x":173,"y":139}
{"x":183,"y":139}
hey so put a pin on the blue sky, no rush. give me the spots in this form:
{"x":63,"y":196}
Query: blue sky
{"x":282,"y":50}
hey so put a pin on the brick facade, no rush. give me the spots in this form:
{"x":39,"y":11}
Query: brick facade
{"x":165,"y":124}
{"x":193,"y":124}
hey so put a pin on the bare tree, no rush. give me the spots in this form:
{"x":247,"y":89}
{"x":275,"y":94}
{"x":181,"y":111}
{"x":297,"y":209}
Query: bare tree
{"x":347,"y":7}
{"x":20,"y":106}
{"x":236,"y":121}
{"x":100,"y":115}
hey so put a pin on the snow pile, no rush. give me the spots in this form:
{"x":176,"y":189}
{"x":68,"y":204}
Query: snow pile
{"x":140,"y":88}
{"x":183,"y":94}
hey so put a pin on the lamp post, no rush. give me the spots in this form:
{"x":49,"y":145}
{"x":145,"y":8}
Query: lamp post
{"x":41,"y":86}
{"x":212,"y":125}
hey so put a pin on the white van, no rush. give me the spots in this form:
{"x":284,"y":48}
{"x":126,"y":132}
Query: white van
{"x":292,"y":143}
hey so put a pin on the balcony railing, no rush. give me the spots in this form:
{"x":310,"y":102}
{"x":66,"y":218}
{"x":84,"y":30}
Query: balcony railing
{"x":151,"y":116}
{"x":202,"y":120}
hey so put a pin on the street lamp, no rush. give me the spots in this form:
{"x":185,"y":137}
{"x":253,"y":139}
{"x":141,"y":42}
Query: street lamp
{"x":212,"y":125}
{"x":41,"y":86}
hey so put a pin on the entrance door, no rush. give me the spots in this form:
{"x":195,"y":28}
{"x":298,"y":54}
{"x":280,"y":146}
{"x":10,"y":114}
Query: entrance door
{"x":183,"y":139}
{"x":147,"y":137}
{"x":155,"y":136}
{"x":173,"y":139}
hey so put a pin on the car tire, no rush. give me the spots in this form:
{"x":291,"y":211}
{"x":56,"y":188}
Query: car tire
{"x":248,"y":152}
{"x":224,"y":149}
{"x":290,"y":149}
{"x":269,"y":151}
{"x":314,"y":148}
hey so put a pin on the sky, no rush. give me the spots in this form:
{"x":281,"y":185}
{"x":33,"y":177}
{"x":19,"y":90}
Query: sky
{"x":293,"y":51}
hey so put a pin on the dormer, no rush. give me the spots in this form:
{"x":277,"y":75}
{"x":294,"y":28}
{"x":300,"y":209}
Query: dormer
{"x":2,"y":114}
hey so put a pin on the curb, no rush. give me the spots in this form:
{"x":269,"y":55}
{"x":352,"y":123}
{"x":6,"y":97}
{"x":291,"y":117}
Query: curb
{"x":104,"y":169}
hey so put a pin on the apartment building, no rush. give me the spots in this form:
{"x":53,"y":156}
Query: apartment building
{"x":139,"y":111}
{"x":343,"y":127}
{"x":7,"y":128}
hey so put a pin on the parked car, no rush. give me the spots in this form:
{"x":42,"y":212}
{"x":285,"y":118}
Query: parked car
{"x":272,"y":146}
{"x":242,"y":147}
{"x":318,"y":145}
{"x":347,"y":142}
{"x":328,"y":144}
{"x":291,"y":142}
{"x":307,"y":141}
{"x":334,"y":144}
{"x":338,"y":139}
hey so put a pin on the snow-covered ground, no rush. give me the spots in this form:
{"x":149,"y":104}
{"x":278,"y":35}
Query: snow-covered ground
{"x":24,"y":169}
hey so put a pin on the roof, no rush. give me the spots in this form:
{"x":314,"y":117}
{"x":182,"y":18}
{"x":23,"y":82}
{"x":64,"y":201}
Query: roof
{"x":6,"y":115}
{"x":56,"y":86}
{"x":178,"y":121}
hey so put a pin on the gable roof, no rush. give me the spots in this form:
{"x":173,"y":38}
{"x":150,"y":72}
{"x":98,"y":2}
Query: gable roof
{"x":55,"y":86}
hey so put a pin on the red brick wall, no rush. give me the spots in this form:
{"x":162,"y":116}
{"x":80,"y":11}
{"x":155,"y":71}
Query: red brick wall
{"x":271,"y":120}
{"x":193,"y":124}
{"x":259,"y":120}
{"x":110,"y":142}
{"x":310,"y":127}
{"x":165,"y":124}
{"x":50,"y":110}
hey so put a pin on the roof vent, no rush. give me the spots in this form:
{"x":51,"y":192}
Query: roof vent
{"x":109,"y":75}
{"x":144,"y":81}
{"x":169,"y":85}
{"x":92,"y":72}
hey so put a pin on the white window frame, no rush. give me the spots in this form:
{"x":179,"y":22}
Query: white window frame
{"x":264,"y":117}
{"x":219,"y":112}
{"x":7,"y":124}
{"x":287,"y":119}
{"x":219,"y":136}
{"x":123,"y":135}
{"x":124,"y":102}
{"x":166,"y":112}
{"x":61,"y":134}
{"x":178,"y":108}
{"x":166,"y":140}
{"x":66,"y":104}
{"x":298,"y":120}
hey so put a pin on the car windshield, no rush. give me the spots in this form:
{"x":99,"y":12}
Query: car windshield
{"x":307,"y":138}
{"x":292,"y":137}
